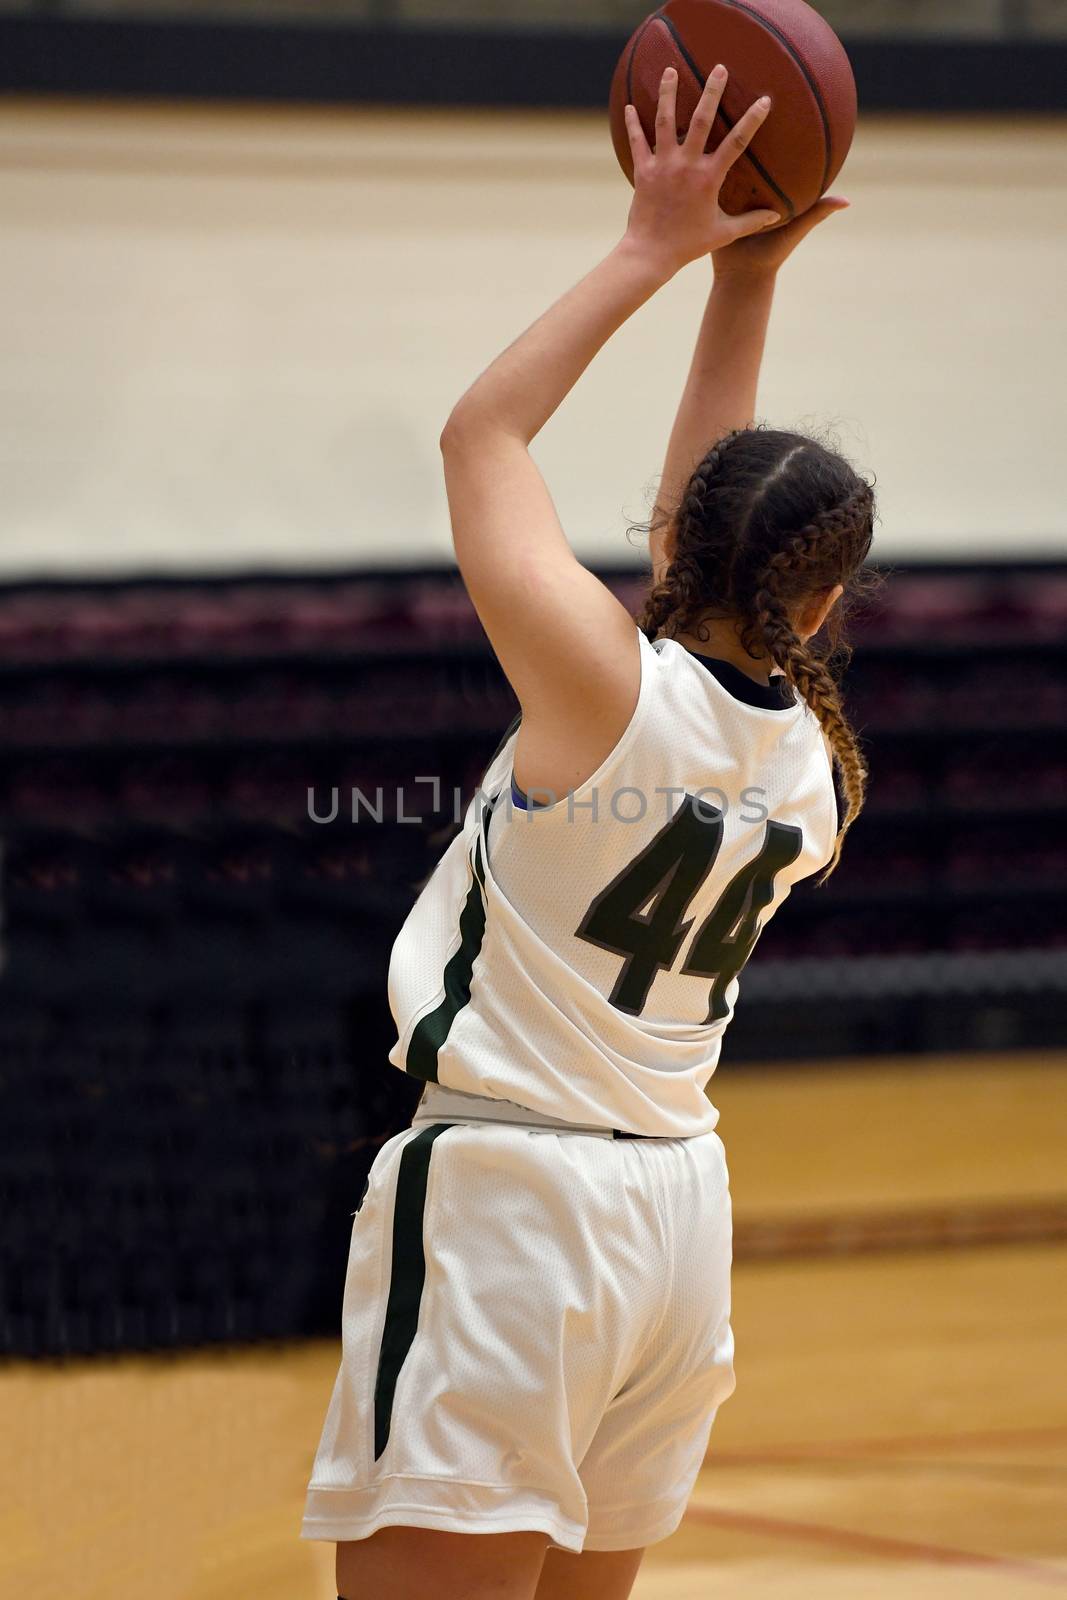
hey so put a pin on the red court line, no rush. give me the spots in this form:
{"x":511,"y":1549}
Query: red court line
{"x":873,"y":1544}
{"x":928,"y":1227}
{"x":1006,"y":1438}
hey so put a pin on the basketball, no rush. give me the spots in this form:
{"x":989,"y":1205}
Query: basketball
{"x":781,"y":48}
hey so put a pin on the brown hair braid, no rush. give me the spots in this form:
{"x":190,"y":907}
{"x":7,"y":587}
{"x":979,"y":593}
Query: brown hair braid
{"x":768,"y":521}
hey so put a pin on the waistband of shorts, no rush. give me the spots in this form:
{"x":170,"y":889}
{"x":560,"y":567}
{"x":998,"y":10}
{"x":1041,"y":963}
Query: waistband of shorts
{"x":441,"y":1104}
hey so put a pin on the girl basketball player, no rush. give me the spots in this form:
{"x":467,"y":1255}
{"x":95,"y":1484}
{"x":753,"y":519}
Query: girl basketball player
{"x":536,"y":1328}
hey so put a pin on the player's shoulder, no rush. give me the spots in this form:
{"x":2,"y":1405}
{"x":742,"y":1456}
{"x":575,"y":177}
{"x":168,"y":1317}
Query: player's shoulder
{"x":720,"y":681}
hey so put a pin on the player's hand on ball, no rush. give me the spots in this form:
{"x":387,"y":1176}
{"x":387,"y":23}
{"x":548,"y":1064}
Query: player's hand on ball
{"x":675,"y":214}
{"x":763,"y":253}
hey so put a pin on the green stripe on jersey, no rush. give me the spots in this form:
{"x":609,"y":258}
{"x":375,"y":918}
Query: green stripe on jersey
{"x":407,"y":1276}
{"x":432,"y":1030}
{"x":508,"y":731}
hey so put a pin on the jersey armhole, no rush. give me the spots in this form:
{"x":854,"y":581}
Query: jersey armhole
{"x":649,"y":659}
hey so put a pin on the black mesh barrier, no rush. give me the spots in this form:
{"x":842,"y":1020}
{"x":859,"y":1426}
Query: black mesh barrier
{"x":963,"y":57}
{"x":218,"y":802}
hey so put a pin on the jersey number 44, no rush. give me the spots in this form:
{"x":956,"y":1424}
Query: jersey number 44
{"x":641,"y":915}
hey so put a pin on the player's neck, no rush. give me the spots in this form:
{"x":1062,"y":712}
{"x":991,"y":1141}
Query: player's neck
{"x":722,"y":642}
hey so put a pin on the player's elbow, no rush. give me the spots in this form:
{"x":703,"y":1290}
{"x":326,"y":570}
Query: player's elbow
{"x":464,"y":430}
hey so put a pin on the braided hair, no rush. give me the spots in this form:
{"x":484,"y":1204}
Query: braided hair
{"x":768,"y":520}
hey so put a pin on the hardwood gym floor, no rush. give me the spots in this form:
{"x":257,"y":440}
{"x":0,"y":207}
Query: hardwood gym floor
{"x":900,"y":1422}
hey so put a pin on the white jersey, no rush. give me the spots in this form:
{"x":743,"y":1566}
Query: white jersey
{"x":580,"y":956}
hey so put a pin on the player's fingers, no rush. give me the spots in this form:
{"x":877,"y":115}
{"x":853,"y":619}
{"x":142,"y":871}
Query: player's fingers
{"x":667,"y":111}
{"x":801,"y":226}
{"x":741,"y":134}
{"x":636,"y":134}
{"x":706,"y":112}
{"x":750,"y":222}
{"x":822,"y":209}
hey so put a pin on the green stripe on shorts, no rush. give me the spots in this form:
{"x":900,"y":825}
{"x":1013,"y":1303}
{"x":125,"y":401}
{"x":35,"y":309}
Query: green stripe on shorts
{"x":407,"y":1276}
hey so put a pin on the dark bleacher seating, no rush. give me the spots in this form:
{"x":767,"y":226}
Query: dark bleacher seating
{"x":193,"y":1025}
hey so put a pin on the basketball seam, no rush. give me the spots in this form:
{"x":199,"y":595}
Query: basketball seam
{"x":738,"y":5}
{"x":702,"y":80}
{"x":634,"y":42}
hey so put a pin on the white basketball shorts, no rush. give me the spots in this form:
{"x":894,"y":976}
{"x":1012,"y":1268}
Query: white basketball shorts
{"x":535,"y":1333}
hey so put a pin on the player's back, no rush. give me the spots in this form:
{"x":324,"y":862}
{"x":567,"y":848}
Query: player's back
{"x":579,"y":955}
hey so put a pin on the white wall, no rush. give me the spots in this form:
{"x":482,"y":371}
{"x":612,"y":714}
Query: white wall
{"x":230,"y":337}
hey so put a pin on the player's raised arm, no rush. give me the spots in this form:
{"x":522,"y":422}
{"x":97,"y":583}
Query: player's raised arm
{"x":720,"y":391}
{"x":569,"y":649}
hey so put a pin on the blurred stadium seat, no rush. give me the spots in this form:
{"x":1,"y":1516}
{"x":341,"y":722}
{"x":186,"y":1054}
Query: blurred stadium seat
{"x":195,"y":1024}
